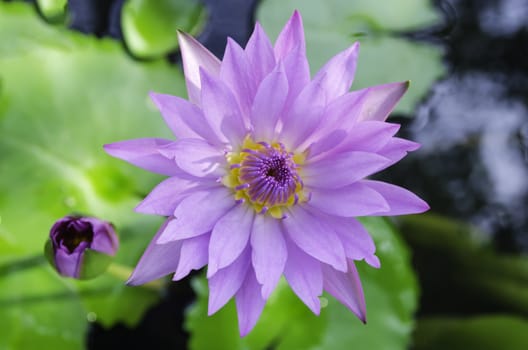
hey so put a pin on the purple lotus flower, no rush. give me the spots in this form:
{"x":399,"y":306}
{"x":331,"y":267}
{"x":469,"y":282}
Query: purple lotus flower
{"x":81,"y":247}
{"x":268,"y":173}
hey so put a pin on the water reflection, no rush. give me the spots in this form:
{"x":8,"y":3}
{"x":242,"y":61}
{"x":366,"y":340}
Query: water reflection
{"x":471,"y":130}
{"x":474,"y":124}
{"x":499,"y":18}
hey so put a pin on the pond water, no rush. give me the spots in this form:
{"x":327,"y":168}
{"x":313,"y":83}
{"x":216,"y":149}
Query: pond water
{"x":473,"y":126}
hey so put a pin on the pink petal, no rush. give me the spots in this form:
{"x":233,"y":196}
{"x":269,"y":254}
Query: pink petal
{"x":398,"y":148}
{"x":340,"y":113}
{"x":325,"y":144}
{"x":356,"y":240}
{"x":260,"y":54}
{"x":370,"y":136}
{"x":381,"y":100}
{"x":342,"y":169}
{"x":401,"y":201}
{"x":157,"y":261}
{"x":193,"y":255}
{"x":269,"y":252}
{"x":268,"y":104}
{"x":340,"y":71}
{"x":227,"y":281}
{"x":166,"y":196}
{"x":249,"y":303}
{"x":237,"y":73}
{"x":229,"y":237}
{"x":314,"y":237}
{"x":297,"y":71}
{"x":196,"y":157}
{"x":194,"y":57}
{"x":144,"y":153}
{"x":346,"y":287}
{"x":304,"y":275}
{"x":220,"y":105}
{"x":197,"y":214}
{"x":357,"y":199}
{"x":291,"y":37}
{"x":305,"y":114}
{"x":185,"y":119}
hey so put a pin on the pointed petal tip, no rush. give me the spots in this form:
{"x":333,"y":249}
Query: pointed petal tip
{"x":154,"y":97}
{"x":211,"y":270}
{"x":423,"y":207}
{"x":132,"y":281}
{"x":373,"y":261}
{"x":183,"y":37}
{"x":109,"y":147}
{"x":244,"y":331}
{"x":213,"y":305}
{"x":296,"y":15}
{"x":316,"y":309}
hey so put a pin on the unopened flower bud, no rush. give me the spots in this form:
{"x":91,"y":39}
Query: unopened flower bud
{"x":81,"y":247}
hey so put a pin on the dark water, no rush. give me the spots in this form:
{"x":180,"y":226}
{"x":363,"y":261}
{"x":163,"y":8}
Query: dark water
{"x":473,"y":125}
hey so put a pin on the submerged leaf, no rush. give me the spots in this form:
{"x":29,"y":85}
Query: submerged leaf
{"x":149,"y":27}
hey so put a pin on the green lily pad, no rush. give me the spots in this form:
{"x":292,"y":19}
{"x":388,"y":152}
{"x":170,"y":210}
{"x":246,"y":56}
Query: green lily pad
{"x":149,"y":27}
{"x":287,"y":324}
{"x":332,"y":26}
{"x":63,"y":96}
{"x":52,"y":9}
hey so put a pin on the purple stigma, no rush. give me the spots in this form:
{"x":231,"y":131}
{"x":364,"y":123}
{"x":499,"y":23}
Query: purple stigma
{"x":269,"y":174}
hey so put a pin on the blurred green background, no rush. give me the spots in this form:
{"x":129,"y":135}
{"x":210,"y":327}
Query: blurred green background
{"x":75,"y":75}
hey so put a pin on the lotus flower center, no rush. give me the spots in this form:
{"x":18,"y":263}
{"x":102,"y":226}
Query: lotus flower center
{"x":266,"y":176}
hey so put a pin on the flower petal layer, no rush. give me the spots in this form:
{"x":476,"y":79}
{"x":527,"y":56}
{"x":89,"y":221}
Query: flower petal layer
{"x":227,"y":281}
{"x":144,"y":153}
{"x":185,"y":119}
{"x":237,"y":73}
{"x":310,"y":234}
{"x":196,"y":57}
{"x":398,"y":148}
{"x":357,"y":199}
{"x":229,"y":237}
{"x":193,"y":255}
{"x":260,"y":54}
{"x":342,"y":169}
{"x":291,"y":37}
{"x":356,"y":240}
{"x":305,"y":277}
{"x":196,"y":157}
{"x":166,"y":196}
{"x":381,"y":100}
{"x":157,"y":261}
{"x":401,"y":201}
{"x":269,"y":252}
{"x":197,"y":214}
{"x":249,"y":303}
{"x":265,"y":115}
{"x":220,"y":106}
{"x":346,"y":287}
{"x":340,"y":71}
